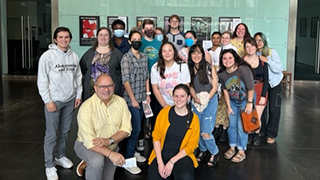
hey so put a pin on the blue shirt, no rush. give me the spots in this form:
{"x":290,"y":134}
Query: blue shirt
{"x":151,"y":49}
{"x":124,"y":45}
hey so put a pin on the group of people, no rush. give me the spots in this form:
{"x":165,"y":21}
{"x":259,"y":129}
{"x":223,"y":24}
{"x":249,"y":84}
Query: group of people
{"x":192,"y":92}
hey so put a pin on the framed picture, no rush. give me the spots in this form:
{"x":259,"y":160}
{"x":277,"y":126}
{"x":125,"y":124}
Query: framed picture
{"x":166,"y":23}
{"x":88,"y":26}
{"x":314,"y":24}
{"x":228,"y":23}
{"x":303,"y":27}
{"x":140,"y":20}
{"x":202,"y":27}
{"x":110,"y":20}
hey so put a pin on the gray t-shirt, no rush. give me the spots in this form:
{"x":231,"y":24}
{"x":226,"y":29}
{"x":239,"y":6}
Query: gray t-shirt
{"x":229,"y":81}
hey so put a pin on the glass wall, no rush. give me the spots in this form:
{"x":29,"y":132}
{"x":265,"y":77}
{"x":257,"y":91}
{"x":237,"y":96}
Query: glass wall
{"x":270,"y":17}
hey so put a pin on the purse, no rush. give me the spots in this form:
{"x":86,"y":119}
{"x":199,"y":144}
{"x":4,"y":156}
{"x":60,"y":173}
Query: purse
{"x":250,"y":122}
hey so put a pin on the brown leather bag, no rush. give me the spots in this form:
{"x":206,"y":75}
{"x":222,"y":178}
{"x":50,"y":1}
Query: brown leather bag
{"x":250,"y":122}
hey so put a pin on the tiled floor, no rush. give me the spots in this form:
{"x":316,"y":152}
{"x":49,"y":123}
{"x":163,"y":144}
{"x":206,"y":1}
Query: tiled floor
{"x":295,"y":156}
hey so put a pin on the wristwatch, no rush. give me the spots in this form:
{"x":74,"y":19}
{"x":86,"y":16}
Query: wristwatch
{"x":111,"y":141}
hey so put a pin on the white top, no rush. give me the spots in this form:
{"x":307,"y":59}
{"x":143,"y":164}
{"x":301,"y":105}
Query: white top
{"x":173,"y":77}
{"x":215,"y":56}
{"x":230,"y":46}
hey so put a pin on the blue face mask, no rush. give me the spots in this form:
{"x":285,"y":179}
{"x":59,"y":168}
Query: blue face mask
{"x":189,"y":42}
{"x":158,"y":37}
{"x":118,"y":32}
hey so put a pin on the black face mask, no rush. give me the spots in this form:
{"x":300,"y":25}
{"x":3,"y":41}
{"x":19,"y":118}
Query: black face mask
{"x":136,"y":44}
{"x":149,"y":33}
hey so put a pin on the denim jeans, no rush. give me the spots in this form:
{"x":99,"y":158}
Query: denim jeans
{"x":207,"y":120}
{"x":136,"y":117}
{"x":237,"y":137}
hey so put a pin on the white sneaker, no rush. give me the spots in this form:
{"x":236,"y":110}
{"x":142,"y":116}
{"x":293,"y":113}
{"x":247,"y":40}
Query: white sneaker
{"x":64,"y":162}
{"x":51,"y":173}
{"x":133,"y":170}
{"x":140,"y":145}
{"x":139,"y":158}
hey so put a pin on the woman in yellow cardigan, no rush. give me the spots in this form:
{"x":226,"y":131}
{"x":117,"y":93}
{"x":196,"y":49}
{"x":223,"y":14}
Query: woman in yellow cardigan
{"x":175,"y":137}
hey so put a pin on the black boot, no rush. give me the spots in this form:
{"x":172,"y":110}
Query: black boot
{"x":250,"y":139}
{"x":224,"y":135}
{"x":217,"y":132}
{"x":256,"y":139}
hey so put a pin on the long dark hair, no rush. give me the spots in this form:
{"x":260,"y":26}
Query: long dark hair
{"x":95,"y":45}
{"x":190,"y":114}
{"x":237,"y":60}
{"x":203,"y":66}
{"x":161,"y":64}
{"x":246,"y":34}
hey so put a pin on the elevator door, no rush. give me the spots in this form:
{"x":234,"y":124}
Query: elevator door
{"x":28,"y":34}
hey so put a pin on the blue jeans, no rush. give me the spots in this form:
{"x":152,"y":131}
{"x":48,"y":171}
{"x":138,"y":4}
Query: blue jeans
{"x":237,"y":137}
{"x":207,"y":120}
{"x":136,"y":117}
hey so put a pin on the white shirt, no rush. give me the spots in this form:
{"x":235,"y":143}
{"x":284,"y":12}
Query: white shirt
{"x":173,"y":76}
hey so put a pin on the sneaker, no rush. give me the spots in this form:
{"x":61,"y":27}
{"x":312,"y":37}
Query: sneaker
{"x":140,"y":146}
{"x":64,"y":162}
{"x":133,"y":170}
{"x":256,"y":139}
{"x":51,"y":173}
{"x":139,"y":158}
{"x":250,"y":139}
{"x":80,"y":168}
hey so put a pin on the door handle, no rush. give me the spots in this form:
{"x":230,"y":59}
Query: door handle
{"x":22,"y":41}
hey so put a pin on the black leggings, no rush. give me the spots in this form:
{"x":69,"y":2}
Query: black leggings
{"x":182,"y":170}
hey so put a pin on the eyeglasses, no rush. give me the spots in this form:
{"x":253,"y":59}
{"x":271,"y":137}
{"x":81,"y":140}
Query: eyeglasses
{"x":103,"y":87}
{"x":174,"y":21}
{"x":258,"y":40}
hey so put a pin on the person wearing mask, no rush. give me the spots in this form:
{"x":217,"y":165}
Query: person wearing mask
{"x":190,"y":38}
{"x":240,"y":33}
{"x":215,"y":49}
{"x":60,"y":87}
{"x":135,"y":78}
{"x":261,"y":77}
{"x":175,"y":137}
{"x":270,"y":124}
{"x":150,"y":47}
{"x":118,"y":39}
{"x":160,"y":35}
{"x":237,"y":83}
{"x":175,"y":35}
{"x":203,"y":88}
{"x":102,"y":58}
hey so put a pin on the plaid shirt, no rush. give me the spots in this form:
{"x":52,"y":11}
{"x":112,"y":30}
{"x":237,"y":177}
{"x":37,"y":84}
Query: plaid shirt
{"x":135,"y":71}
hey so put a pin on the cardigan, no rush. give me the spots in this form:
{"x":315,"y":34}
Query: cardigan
{"x":189,"y":142}
{"x":114,"y":70}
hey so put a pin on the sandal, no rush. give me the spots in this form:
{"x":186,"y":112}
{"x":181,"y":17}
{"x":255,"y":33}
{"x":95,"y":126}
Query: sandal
{"x":271,"y":140}
{"x":229,"y":154}
{"x":239,"y":158}
{"x":213,"y":160}
{"x":200,"y":156}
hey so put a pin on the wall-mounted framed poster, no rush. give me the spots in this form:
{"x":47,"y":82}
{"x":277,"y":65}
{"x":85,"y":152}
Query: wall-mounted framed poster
{"x":88,"y":26}
{"x":228,"y":23}
{"x":202,"y":27}
{"x":140,"y":20}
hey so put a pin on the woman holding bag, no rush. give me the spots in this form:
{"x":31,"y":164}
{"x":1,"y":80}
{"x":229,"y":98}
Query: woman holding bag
{"x":203,"y":88}
{"x":237,"y":84}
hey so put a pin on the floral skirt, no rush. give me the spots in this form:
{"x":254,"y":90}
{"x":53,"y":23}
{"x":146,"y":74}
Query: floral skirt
{"x":222,"y":113}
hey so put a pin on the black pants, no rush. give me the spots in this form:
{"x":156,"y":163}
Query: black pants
{"x":182,"y":170}
{"x":270,"y":125}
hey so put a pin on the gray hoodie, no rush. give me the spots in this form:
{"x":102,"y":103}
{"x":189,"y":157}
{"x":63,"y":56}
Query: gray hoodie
{"x":59,"y":75}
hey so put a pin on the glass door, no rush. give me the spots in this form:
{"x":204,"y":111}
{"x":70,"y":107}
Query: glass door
{"x":307,"y":63}
{"x":28,"y":34}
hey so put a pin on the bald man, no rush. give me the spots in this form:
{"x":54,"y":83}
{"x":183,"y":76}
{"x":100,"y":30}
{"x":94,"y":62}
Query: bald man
{"x":103,"y":120}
